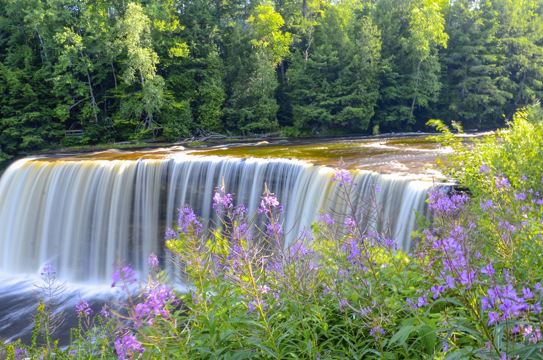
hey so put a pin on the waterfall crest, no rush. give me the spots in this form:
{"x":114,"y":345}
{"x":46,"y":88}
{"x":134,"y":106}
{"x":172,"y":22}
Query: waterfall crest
{"x":81,"y":215}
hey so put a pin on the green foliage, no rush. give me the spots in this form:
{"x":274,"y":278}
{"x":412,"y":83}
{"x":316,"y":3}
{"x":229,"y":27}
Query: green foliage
{"x":514,"y":152}
{"x":266,"y":25}
{"x":334,"y":83}
{"x":469,"y":289}
{"x":131,"y":70}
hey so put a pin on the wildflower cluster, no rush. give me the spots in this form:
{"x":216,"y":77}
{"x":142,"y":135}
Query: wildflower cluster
{"x":154,"y":305}
{"x":123,"y":274}
{"x":470,"y":288}
{"x":82,"y":308}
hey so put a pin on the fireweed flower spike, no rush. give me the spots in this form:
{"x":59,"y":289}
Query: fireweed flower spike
{"x":104,"y":313}
{"x":268,"y":202}
{"x":188,"y":220}
{"x":48,"y":270}
{"x":122,"y":273}
{"x":326,"y":219}
{"x":484,"y":169}
{"x":445,"y":205}
{"x":377,"y":331}
{"x":152,"y":261}
{"x":154,"y":305}
{"x":21,"y":353}
{"x":82,"y":308}
{"x":488,"y":270}
{"x":350,"y":223}
{"x":224,"y":200}
{"x":343,"y":177}
{"x":128,"y":347}
{"x":437,"y":290}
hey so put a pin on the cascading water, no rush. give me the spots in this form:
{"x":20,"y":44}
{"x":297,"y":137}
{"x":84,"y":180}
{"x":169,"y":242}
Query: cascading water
{"x":81,"y":215}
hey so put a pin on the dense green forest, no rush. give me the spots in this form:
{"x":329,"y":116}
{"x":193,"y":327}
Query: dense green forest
{"x":125,"y":70}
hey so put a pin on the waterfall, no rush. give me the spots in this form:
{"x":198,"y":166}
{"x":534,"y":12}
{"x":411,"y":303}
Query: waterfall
{"x":81,"y":214}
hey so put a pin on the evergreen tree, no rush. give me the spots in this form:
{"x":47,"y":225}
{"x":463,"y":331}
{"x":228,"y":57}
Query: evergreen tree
{"x":335,"y":82}
{"x":122,"y":70}
{"x":473,"y":72}
{"x":521,"y":36}
{"x":413,"y":32}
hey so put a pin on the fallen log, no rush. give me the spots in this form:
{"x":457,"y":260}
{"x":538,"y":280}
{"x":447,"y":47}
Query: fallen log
{"x":208,"y":135}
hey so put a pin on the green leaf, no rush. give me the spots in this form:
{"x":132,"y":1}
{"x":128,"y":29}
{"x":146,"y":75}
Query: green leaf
{"x":428,"y":337}
{"x":401,"y":335}
{"x":245,"y":354}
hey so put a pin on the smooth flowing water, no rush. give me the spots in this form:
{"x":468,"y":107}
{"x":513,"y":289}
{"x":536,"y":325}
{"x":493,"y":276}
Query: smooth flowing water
{"x":81,"y":212}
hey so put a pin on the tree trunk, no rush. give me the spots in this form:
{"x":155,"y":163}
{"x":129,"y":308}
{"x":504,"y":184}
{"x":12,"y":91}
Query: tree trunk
{"x":93,"y":103}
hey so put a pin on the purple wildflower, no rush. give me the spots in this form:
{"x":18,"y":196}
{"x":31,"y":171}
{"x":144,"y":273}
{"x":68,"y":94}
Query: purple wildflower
{"x":241,"y":231}
{"x":520,"y":196}
{"x":187,"y":220}
{"x":343,"y":176}
{"x":467,"y":278}
{"x":251,"y":307}
{"x":422,"y":301}
{"x":489,"y":204}
{"x":502,"y":183}
{"x":272,"y":229}
{"x":154,"y":305}
{"x":225,"y":201}
{"x":510,"y":308}
{"x":445,"y":205}
{"x":21,"y":353}
{"x":493,"y":318}
{"x":128,"y":347}
{"x":269,"y":202}
{"x":377,"y":331}
{"x":326,"y":219}
{"x":300,"y":251}
{"x":123,"y":274}
{"x":104,"y":313}
{"x":350,"y":223}
{"x":437,"y":290}
{"x":48,"y":271}
{"x":488,"y":269}
{"x":450,"y":282}
{"x":152,"y":261}
{"x":342,"y":304}
{"x":82,"y":308}
{"x":484,"y":169}
{"x":170,"y":234}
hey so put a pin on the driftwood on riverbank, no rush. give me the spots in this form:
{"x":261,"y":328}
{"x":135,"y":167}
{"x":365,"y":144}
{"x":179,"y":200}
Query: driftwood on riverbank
{"x":204,"y":135}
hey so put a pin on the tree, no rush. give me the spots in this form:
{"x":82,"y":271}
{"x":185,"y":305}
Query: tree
{"x":473,"y":71}
{"x":253,"y":104}
{"x":139,"y":73}
{"x":413,"y":31}
{"x":521,"y":35}
{"x":335,"y":82}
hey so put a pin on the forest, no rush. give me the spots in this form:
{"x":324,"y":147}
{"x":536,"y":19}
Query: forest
{"x":119,"y":70}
